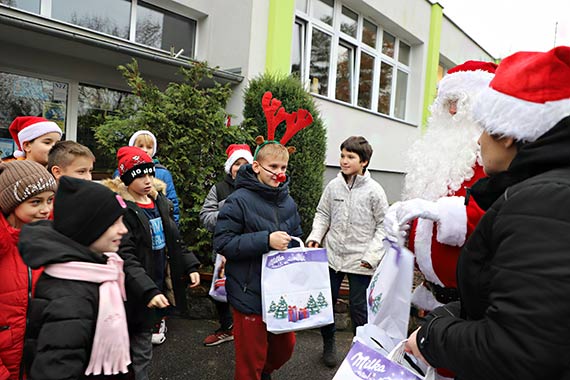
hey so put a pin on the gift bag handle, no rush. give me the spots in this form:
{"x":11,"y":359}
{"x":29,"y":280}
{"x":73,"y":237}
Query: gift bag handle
{"x":301,"y":244}
{"x":397,"y":356}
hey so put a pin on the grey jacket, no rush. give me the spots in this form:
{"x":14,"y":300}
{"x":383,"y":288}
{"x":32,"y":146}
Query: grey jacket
{"x":348,"y":222}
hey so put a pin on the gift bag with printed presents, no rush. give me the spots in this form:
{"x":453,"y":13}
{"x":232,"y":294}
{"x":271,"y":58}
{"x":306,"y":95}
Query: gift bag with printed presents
{"x":295,"y":287}
{"x":218,"y":287}
{"x":364,"y":363}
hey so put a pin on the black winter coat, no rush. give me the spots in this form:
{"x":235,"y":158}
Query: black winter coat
{"x":63,"y":313}
{"x":514,"y":274}
{"x":136,"y":251}
{"x":252,"y":212}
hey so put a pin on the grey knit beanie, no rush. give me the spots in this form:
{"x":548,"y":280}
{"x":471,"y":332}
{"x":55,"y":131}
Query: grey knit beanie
{"x":21,"y":180}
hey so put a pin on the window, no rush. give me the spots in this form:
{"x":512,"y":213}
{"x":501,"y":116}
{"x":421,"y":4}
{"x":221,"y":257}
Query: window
{"x":344,"y":74}
{"x":350,"y":58}
{"x":153,"y":26}
{"x":28,"y":96}
{"x":106,"y":16}
{"x":320,"y":62}
{"x":26,"y":5}
{"x":164,"y":30}
{"x":94,"y":104}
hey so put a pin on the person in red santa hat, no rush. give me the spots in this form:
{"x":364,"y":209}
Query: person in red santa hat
{"x":238,"y":155}
{"x":440,"y":167}
{"x":34,"y":137}
{"x":514,"y":271}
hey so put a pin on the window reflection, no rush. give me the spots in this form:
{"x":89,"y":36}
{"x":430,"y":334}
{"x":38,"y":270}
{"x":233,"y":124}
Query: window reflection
{"x":385,"y":89}
{"x":297,"y":48}
{"x":369,"y":33}
{"x":27,"y":96}
{"x":165,"y":30}
{"x":106,"y":16}
{"x":404,"y":54}
{"x":388,"y":44}
{"x":320,"y":58}
{"x":365,"y":81}
{"x":344,"y":70}
{"x":323,"y":10}
{"x":26,"y":5}
{"x":401,"y":92}
{"x":348,"y":22}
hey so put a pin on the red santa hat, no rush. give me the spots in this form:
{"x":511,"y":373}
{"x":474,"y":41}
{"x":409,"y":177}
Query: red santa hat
{"x":235,"y":152}
{"x":469,"y":77}
{"x":133,"y":163}
{"x":529,"y":95}
{"x":27,"y":128}
{"x":135,"y":135}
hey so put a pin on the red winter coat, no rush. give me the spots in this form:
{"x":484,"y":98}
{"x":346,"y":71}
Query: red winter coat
{"x":17,"y":282}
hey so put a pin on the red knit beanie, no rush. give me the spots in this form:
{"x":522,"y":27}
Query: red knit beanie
{"x":133,"y":163}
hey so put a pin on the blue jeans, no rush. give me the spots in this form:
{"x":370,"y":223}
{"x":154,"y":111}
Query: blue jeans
{"x":358,"y":284}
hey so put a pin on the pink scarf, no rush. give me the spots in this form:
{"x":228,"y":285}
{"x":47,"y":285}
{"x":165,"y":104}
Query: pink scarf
{"x":110,"y":351}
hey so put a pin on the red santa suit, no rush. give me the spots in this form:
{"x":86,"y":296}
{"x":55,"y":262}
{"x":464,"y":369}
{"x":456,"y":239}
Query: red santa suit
{"x":442,"y":165}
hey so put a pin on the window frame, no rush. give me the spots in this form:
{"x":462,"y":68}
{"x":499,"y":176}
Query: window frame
{"x":359,"y":47}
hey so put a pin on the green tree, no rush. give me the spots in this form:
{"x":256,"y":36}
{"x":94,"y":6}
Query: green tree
{"x":312,"y":305}
{"x":306,"y":165}
{"x":321,"y":301}
{"x":281,"y":310}
{"x":272,"y":307}
{"x":189,"y":121}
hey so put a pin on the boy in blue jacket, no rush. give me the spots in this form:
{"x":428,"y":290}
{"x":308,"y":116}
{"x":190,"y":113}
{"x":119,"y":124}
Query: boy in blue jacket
{"x":257,"y":217}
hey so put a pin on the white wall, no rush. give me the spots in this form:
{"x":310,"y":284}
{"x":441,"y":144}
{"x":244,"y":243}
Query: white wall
{"x":457,"y":47}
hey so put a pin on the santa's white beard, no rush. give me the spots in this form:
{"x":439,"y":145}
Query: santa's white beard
{"x":442,"y":159}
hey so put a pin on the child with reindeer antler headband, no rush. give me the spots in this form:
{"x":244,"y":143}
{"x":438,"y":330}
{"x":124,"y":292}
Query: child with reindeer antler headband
{"x":257,"y":217}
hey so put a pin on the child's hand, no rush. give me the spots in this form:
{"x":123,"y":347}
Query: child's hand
{"x":158,"y":301}
{"x":279,"y":240}
{"x":194,"y":279}
{"x":313,"y":244}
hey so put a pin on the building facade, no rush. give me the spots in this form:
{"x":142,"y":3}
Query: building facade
{"x":372,"y":66}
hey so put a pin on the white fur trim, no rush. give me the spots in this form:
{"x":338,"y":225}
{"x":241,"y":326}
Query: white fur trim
{"x":470,"y":82}
{"x":236,"y":155}
{"x":424,"y":299}
{"x":19,"y":153}
{"x":144,"y":132}
{"x":505,"y":115}
{"x":36,"y":130}
{"x":452,"y":224}
{"x":422,"y":244}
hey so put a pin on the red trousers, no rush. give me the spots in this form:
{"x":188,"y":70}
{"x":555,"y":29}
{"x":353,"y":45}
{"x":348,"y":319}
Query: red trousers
{"x":256,"y":349}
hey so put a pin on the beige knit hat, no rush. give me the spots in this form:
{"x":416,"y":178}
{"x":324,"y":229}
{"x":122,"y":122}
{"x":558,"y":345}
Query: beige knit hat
{"x":20,"y":180}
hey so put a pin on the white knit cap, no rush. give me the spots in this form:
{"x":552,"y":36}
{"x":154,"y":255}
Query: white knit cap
{"x":144,"y":132}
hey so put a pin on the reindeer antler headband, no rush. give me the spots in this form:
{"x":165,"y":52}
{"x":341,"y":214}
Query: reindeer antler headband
{"x":275,"y":114}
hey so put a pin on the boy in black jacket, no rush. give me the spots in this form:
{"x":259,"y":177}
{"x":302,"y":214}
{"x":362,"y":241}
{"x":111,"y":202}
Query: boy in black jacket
{"x":154,"y":241}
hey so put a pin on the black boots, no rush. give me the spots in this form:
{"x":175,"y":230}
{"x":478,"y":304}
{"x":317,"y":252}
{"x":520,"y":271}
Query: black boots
{"x":329,"y":352}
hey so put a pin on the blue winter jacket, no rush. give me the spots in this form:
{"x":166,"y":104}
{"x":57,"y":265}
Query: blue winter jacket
{"x":163,"y":174}
{"x":252,"y":212}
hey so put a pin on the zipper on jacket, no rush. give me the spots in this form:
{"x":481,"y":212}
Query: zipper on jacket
{"x":3,"y":328}
{"x":21,"y":374}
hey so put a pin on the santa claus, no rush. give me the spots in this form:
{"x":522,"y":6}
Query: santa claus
{"x":441,"y":166}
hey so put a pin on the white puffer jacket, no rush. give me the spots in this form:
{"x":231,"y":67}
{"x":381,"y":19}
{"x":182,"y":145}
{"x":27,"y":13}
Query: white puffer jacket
{"x":349,"y":217}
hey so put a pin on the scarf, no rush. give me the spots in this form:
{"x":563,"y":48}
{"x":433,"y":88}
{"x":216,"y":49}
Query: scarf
{"x":110,"y":351}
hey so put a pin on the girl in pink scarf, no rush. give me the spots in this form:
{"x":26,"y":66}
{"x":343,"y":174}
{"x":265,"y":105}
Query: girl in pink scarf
{"x":77,"y":324}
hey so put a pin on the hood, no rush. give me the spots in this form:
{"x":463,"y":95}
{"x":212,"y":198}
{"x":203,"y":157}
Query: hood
{"x":120,"y":188}
{"x":40,"y":244}
{"x":246,"y":178}
{"x":550,"y":151}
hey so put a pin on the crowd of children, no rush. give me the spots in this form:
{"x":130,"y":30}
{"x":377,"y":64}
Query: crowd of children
{"x":104,"y":262}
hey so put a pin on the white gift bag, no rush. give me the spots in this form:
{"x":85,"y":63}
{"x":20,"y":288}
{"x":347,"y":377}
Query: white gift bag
{"x":295,"y":288}
{"x":365,"y":362}
{"x":389,"y":294}
{"x":218,"y":287}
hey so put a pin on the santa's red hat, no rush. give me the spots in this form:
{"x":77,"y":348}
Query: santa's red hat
{"x":27,"y":128}
{"x":529,"y":95}
{"x":468,"y":78}
{"x":133,"y":163}
{"x":235,"y":152}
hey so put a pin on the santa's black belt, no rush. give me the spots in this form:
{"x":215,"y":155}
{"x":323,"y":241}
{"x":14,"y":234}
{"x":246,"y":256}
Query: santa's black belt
{"x":441,"y":294}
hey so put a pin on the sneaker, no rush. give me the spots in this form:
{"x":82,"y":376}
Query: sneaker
{"x":219,"y":337}
{"x":159,"y":334}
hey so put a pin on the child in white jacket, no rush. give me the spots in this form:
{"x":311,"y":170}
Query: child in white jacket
{"x":349,"y":223}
